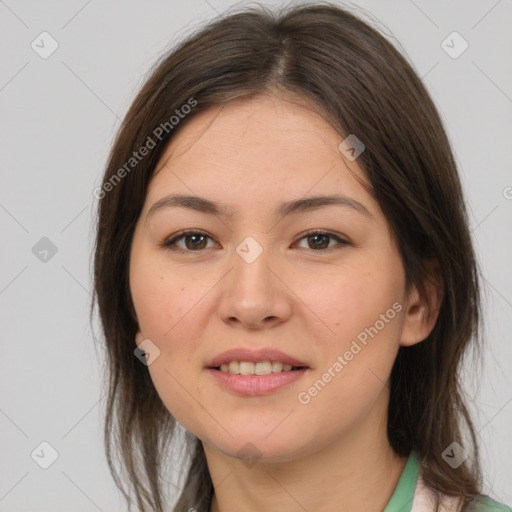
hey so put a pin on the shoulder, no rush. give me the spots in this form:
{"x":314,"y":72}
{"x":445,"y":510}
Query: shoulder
{"x":424,"y":500}
{"x":486,"y":504}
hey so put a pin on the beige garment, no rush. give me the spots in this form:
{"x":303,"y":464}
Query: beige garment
{"x":424,"y":499}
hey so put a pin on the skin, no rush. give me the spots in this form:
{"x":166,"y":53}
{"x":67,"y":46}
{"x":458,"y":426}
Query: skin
{"x":310,"y":303}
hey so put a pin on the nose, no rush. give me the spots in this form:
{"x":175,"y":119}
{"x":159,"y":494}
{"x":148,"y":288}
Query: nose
{"x":253,"y":297}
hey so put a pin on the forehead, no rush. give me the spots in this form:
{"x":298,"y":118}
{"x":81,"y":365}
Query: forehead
{"x":265,"y":126}
{"x":256,"y":146}
{"x":277,"y":111}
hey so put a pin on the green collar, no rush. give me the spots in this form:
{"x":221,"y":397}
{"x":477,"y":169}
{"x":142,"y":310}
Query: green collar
{"x":401,"y":500}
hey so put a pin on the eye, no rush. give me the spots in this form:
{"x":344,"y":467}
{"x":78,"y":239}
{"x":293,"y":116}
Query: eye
{"x":193,"y":241}
{"x":320,"y":239}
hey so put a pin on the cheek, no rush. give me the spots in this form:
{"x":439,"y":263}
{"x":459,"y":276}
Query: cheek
{"x":156,"y":311}
{"x":161,"y":297}
{"x":349,"y":300}
{"x":172,"y":310}
{"x":362,"y":309}
{"x":168,"y":308}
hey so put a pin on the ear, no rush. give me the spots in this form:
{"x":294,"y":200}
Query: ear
{"x":422,"y":311}
{"x":139,"y":338}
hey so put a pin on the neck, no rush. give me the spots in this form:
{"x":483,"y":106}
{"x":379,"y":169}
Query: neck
{"x":358,"y":472}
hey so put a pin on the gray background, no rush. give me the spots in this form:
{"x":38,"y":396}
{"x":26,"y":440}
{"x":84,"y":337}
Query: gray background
{"x":59,"y":116}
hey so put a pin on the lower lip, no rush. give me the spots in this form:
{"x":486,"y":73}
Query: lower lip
{"x":256,"y":385}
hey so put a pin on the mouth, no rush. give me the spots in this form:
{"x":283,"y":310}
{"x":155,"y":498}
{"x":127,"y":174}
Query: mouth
{"x":248,"y":372}
{"x":257,"y":368}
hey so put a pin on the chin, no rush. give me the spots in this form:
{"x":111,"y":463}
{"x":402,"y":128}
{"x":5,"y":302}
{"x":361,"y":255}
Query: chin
{"x":251,"y":449}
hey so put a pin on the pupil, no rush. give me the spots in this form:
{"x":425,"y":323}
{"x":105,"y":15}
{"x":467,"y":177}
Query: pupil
{"x":197,"y":238}
{"x":322,"y":242}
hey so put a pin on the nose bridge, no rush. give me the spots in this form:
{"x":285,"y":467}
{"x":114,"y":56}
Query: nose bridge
{"x":251,"y":277}
{"x":251,"y":293}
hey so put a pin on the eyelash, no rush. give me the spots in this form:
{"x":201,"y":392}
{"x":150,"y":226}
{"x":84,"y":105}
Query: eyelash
{"x":170,"y":243}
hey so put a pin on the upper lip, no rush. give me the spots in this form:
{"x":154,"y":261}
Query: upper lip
{"x":255,"y":356}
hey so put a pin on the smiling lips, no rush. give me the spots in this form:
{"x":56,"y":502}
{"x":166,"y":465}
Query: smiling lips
{"x":252,"y":373}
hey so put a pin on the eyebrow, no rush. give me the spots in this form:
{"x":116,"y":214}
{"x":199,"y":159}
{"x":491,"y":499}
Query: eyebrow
{"x":305,"y":204}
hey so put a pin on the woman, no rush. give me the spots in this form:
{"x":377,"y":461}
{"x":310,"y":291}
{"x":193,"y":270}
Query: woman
{"x":274,"y":272}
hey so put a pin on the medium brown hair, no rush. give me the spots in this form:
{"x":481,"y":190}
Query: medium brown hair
{"x":361,"y":84}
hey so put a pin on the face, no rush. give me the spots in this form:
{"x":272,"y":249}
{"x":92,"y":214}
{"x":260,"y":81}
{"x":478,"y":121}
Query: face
{"x":322,"y":282}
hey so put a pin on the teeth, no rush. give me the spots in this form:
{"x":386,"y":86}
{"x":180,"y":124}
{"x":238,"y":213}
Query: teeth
{"x":246,"y":368}
{"x":261,"y":368}
{"x":276,"y":366}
